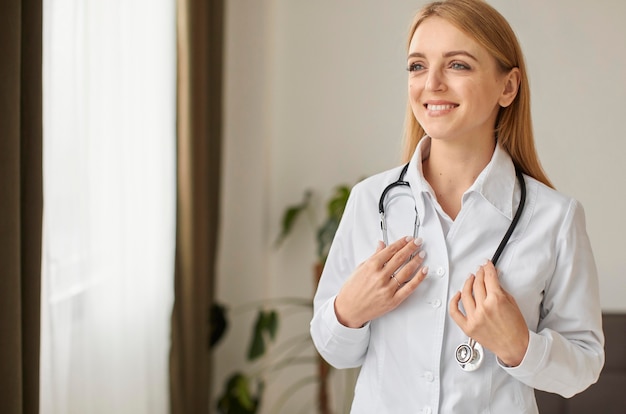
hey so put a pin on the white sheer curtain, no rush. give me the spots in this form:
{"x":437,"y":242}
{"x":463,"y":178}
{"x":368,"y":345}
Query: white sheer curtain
{"x":109,"y":205}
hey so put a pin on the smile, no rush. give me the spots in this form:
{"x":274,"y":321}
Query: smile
{"x":431,"y":107}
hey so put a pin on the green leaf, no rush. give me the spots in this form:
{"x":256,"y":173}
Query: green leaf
{"x":272,"y":323}
{"x":265,"y":329}
{"x":334,"y":209}
{"x":337,"y":203}
{"x":257,"y":344}
{"x":218,"y":324}
{"x":242,"y":391}
{"x":290,"y":216}
{"x":237,"y":396}
{"x":325,"y":235}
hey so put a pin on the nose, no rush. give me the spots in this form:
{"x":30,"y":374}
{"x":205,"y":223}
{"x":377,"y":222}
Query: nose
{"x":434,"y":81}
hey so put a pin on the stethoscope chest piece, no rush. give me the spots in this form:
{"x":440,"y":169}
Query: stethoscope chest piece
{"x":470,"y":355}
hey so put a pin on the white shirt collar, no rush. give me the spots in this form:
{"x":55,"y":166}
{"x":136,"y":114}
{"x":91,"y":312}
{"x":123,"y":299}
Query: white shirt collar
{"x":496,"y":182}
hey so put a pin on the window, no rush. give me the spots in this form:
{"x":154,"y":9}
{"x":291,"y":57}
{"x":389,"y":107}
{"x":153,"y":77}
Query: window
{"x":109,"y":205}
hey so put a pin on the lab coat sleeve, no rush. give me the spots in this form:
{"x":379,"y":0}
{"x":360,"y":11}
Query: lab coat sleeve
{"x":566,"y":353}
{"x":340,"y":346}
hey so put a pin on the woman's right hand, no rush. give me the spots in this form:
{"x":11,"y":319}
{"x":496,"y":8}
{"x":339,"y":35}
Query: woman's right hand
{"x":381,"y":283}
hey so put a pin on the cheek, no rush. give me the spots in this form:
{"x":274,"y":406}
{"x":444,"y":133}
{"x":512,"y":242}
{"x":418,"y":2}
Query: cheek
{"x":486,"y":95}
{"x":487,"y":103}
{"x":415,"y":91}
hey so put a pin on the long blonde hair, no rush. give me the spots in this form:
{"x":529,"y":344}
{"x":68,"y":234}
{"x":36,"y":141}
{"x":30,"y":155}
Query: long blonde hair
{"x":491,"y":30}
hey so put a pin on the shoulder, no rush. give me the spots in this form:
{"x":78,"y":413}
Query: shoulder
{"x":548,"y":202}
{"x":548,"y":195}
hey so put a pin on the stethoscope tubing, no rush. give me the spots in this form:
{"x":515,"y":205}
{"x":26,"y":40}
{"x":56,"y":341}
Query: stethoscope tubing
{"x":468,"y":355}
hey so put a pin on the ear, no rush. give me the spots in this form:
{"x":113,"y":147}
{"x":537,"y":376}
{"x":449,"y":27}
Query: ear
{"x":511,"y":87}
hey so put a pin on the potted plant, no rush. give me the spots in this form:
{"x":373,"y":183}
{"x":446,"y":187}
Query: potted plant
{"x":242,"y":393}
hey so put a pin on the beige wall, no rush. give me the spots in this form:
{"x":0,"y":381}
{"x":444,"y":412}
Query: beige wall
{"x":315,"y":95}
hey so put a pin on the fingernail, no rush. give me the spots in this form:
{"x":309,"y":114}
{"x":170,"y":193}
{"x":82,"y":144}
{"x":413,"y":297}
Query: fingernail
{"x":425,"y":270}
{"x":422,"y":254}
{"x":418,"y":241}
{"x":408,"y":238}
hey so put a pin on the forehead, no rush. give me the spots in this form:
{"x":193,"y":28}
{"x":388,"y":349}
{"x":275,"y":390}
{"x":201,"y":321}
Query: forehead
{"x":437,"y":35}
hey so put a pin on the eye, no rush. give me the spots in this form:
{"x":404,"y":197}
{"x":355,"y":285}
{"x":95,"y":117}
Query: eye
{"x":459,"y":66}
{"x":414,"y":67}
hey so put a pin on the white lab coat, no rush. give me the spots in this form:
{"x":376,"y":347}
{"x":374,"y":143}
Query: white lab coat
{"x":407,"y":356}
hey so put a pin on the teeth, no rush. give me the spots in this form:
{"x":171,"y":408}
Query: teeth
{"x":440,"y":107}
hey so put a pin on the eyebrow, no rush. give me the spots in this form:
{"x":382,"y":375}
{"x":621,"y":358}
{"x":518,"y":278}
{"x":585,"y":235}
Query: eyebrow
{"x":447,"y":54}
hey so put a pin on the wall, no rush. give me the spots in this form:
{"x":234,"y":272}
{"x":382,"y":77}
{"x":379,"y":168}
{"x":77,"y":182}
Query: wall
{"x":315,"y":96}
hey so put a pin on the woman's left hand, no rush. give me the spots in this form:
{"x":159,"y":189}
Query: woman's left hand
{"x":492,"y":316}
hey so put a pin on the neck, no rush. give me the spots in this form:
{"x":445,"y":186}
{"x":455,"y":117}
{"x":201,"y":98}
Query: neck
{"x":451,"y":169}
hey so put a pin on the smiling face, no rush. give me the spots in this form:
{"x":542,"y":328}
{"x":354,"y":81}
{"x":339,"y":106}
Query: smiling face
{"x":455,"y":86}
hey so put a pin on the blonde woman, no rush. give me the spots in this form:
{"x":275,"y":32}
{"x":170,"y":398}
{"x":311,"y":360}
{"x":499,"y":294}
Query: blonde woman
{"x":479,"y":283}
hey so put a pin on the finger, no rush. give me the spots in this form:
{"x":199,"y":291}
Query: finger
{"x":394,"y":282}
{"x":467,"y":297}
{"x":404,"y":255}
{"x":411,"y":285}
{"x":382,"y":256}
{"x":409,"y":267}
{"x":492,"y":283}
{"x":480,"y":292}
{"x":455,"y":313}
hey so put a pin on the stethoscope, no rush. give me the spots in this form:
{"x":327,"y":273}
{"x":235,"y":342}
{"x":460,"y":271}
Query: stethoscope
{"x":468,"y":355}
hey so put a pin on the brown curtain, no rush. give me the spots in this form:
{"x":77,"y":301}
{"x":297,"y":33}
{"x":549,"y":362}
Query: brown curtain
{"x":20,"y":204}
{"x":200,"y":37}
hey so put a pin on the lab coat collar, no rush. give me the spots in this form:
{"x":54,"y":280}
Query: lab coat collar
{"x":416,"y":171}
{"x":415,"y":175}
{"x":496,"y":183}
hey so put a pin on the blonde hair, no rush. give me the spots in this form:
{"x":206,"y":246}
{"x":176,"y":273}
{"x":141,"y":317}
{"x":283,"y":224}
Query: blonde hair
{"x":491,"y":30}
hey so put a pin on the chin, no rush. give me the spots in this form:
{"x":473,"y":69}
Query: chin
{"x":437,"y":134}
{"x":437,"y":130}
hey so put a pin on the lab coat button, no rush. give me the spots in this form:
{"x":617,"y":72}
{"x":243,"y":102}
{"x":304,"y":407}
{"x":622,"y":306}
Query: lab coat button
{"x":427,"y":410}
{"x":441,"y":271}
{"x":429,"y":376}
{"x":436,"y":303}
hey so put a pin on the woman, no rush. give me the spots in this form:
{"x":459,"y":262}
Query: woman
{"x":405,"y":310}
